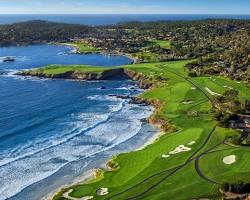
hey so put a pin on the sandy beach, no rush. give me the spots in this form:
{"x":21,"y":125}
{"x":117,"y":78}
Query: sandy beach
{"x":86,"y":176}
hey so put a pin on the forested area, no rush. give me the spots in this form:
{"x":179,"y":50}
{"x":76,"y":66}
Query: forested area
{"x":218,"y":46}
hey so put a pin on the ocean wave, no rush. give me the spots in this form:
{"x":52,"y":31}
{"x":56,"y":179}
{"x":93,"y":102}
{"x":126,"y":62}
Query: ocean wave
{"x":104,"y":119}
{"x":103,"y":98}
{"x":113,"y":135}
{"x":122,"y":88}
{"x":11,"y":73}
{"x":54,"y":144}
{"x":114,"y":131}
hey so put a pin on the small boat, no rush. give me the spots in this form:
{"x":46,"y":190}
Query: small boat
{"x":9,"y":59}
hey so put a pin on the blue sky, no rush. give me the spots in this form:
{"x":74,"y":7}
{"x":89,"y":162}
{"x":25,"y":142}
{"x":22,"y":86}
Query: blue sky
{"x":124,"y":6}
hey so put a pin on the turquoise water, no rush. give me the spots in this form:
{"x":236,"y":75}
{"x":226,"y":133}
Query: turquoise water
{"x":51,"y":131}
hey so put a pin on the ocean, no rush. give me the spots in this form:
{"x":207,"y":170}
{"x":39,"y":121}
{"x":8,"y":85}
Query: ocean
{"x":99,"y":19}
{"x":52,"y":131}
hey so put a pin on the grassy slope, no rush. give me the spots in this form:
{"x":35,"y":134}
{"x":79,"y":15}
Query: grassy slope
{"x":184,"y":183}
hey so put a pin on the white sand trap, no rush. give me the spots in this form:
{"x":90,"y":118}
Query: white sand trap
{"x":193,"y":88}
{"x":179,"y":149}
{"x":187,"y":102}
{"x":226,"y":86}
{"x":211,"y":92}
{"x":102,"y":191}
{"x":191,"y":143}
{"x":86,"y":198}
{"x":165,"y":156}
{"x":228,"y":160}
{"x":66,"y":196}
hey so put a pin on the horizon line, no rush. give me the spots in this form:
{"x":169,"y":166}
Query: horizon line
{"x":236,"y":14}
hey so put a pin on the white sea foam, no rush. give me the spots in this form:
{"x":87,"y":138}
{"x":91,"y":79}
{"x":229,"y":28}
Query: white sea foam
{"x":11,"y":73}
{"x":78,"y":126}
{"x":103,"y":97}
{"x":122,"y":88}
{"x":86,"y":136}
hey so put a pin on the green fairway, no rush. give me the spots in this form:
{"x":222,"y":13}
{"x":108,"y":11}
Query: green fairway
{"x":83,"y":47}
{"x":165,"y":44}
{"x":59,"y":69}
{"x":185,"y":107}
{"x":146,"y":55}
{"x":212,"y":165}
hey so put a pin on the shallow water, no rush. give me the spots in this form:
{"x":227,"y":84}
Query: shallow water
{"x":51,"y":131}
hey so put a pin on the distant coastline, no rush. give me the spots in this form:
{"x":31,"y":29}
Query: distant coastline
{"x":108,"y":19}
{"x":102,"y":52}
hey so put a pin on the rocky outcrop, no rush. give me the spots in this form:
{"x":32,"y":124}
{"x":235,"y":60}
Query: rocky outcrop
{"x":142,"y":80}
{"x":76,"y":74}
{"x":110,"y":74}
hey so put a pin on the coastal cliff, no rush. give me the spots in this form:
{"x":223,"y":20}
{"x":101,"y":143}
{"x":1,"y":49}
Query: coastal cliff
{"x":112,"y":74}
{"x":109,"y":74}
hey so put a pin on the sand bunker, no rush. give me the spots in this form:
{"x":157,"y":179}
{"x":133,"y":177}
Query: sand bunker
{"x":193,"y":88}
{"x":86,"y":198}
{"x":180,"y":149}
{"x":102,"y":191}
{"x":226,"y":86}
{"x":165,"y":156}
{"x":66,"y":196}
{"x":191,"y":143}
{"x":211,"y":92}
{"x":187,"y":102}
{"x":228,"y":160}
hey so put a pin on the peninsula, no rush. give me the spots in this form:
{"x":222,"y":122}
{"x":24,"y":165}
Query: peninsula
{"x":197,"y":78}
{"x":193,"y":148}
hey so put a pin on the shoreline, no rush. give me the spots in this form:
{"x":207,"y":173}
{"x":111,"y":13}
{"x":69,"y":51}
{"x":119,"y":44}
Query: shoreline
{"x":152,"y":139}
{"x":157,"y":135}
{"x":89,"y":175}
{"x":102,"y":52}
{"x":84,"y":178}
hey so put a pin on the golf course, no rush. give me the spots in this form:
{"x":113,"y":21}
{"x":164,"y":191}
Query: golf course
{"x":190,"y":160}
{"x":82,"y":47}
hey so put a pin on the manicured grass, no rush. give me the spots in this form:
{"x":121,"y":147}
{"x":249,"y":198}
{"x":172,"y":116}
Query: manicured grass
{"x":145,"y":171}
{"x":221,"y":84}
{"x":146,"y":56}
{"x":59,"y":69}
{"x":212,"y":165}
{"x":83,"y":47}
{"x":165,"y":44}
